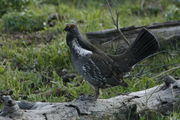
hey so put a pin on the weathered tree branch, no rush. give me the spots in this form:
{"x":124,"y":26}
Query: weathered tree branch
{"x":163,"y":99}
{"x":108,"y":40}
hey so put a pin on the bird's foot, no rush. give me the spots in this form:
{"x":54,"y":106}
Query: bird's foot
{"x":87,"y":98}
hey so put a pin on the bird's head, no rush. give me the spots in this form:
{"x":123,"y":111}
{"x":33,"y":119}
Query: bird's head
{"x":72,"y":32}
{"x":71,"y":28}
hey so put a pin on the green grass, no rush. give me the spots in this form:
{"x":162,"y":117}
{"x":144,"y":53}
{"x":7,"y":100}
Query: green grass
{"x":31,"y":71}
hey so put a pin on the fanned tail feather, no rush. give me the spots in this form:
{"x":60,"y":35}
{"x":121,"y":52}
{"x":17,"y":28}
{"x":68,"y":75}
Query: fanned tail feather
{"x":145,"y":44}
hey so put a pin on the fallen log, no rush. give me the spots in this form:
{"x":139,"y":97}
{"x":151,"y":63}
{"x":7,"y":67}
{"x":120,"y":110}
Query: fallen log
{"x":161,"y":99}
{"x":111,"y":41}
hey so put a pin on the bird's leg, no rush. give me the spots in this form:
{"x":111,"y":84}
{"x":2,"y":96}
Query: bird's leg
{"x":90,"y":97}
{"x":96,"y":93}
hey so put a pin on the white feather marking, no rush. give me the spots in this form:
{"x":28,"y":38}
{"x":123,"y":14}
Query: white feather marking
{"x":84,"y":68}
{"x":79,"y":50}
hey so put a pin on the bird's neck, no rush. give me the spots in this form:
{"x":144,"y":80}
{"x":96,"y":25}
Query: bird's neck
{"x":78,"y":50}
{"x":70,"y":38}
{"x":73,"y":41}
{"x":80,"y":41}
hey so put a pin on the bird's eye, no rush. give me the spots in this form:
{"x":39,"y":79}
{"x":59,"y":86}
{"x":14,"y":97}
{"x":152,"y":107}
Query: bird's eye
{"x":69,"y":27}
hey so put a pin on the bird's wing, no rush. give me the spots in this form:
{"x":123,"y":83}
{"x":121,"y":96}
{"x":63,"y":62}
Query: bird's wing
{"x":123,"y":61}
{"x":112,"y":77}
{"x":103,"y":63}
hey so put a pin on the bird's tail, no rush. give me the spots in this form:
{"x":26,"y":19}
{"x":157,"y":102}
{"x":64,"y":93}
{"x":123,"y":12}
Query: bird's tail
{"x":144,"y":45}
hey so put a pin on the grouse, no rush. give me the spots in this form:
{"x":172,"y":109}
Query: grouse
{"x":102,"y":70}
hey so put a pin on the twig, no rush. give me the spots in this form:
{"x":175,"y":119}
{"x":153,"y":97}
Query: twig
{"x":164,"y":72}
{"x":142,"y":4}
{"x":116,"y":22}
{"x":142,"y":73}
{"x":156,"y":65}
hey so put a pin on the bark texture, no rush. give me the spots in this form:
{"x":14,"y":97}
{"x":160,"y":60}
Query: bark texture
{"x":161,"y":99}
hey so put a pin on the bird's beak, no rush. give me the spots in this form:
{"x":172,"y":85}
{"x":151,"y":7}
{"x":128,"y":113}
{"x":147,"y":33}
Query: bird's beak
{"x":65,"y":29}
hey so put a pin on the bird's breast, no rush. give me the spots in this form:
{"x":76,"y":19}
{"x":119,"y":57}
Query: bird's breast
{"x":78,"y":50}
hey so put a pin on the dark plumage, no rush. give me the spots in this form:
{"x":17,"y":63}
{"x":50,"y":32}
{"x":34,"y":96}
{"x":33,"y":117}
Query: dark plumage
{"x":102,"y":70}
